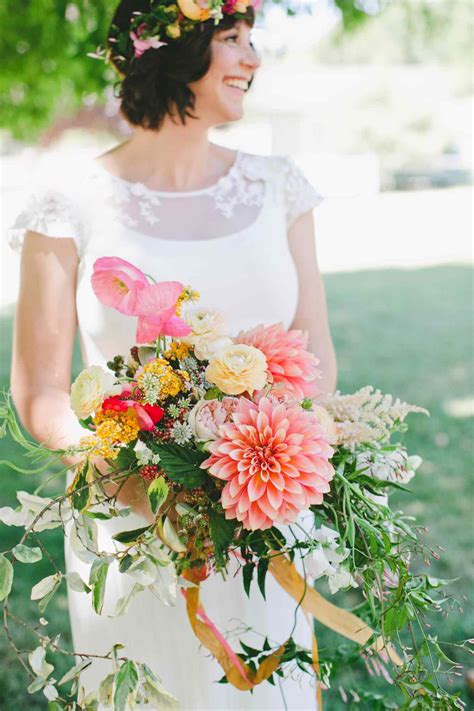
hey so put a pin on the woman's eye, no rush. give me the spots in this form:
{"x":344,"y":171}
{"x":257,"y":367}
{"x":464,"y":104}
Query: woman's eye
{"x":232,"y":37}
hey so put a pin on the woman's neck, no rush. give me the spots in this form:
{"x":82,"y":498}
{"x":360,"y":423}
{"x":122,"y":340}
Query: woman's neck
{"x":175,"y":158}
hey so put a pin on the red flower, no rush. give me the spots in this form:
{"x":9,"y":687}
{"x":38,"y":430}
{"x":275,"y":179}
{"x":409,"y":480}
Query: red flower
{"x":148,"y":415}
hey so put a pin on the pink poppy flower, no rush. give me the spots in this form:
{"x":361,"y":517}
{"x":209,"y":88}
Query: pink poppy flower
{"x":142,"y":45}
{"x":156,"y":310}
{"x":275,"y":460}
{"x":290,"y":365}
{"x":116,"y":283}
{"x":148,"y":415}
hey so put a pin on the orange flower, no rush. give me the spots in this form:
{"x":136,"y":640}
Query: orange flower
{"x":275,"y":460}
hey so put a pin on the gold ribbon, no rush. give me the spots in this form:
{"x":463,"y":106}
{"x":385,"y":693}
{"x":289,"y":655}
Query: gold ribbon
{"x":312,"y":603}
{"x":335,"y":618}
{"x":206,"y":636}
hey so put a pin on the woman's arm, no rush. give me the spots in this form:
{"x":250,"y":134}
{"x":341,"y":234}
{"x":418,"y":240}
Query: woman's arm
{"x":43,"y":340}
{"x":45,"y":325}
{"x":311,"y":314}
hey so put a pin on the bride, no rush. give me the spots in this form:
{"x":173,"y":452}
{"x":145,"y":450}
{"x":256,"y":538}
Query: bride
{"x":236,"y":226}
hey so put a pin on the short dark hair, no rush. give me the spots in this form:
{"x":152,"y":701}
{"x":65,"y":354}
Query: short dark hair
{"x":156,"y":83}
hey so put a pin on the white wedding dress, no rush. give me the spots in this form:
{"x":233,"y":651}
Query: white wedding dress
{"x":228,"y":241}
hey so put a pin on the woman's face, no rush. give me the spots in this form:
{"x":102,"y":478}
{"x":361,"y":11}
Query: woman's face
{"x":233,"y":61}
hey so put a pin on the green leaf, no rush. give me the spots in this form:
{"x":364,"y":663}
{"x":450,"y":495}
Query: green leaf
{"x":395,"y":619}
{"x":222,"y":531}
{"x":247,"y":575}
{"x":97,"y":580}
{"x":74,"y":671}
{"x":155,"y":692}
{"x":182,"y":464}
{"x":126,"y":460}
{"x":129,"y":536}
{"x":76,"y":583}
{"x":80,"y":490}
{"x":157,"y":493}
{"x":124,"y":602}
{"x":55,"y":706}
{"x":98,"y":514}
{"x":275,"y":538}
{"x":27,"y":555}
{"x":125,"y":563}
{"x":261,"y":574}
{"x":45,"y":589}
{"x":125,"y":685}
{"x":6,"y":577}
{"x":213,"y":394}
{"x":249,"y":651}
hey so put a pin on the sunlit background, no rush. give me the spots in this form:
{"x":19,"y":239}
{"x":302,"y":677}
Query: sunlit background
{"x":375,"y":105}
{"x":379,"y":116}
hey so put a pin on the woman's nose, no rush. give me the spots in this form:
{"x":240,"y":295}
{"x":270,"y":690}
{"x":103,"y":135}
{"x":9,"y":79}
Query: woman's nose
{"x":251,"y":58}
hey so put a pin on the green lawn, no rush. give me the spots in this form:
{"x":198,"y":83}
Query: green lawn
{"x":406,"y":332}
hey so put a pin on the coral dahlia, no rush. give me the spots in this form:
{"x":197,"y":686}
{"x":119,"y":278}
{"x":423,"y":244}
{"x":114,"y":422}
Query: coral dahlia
{"x":275,"y":459}
{"x":289,"y":363}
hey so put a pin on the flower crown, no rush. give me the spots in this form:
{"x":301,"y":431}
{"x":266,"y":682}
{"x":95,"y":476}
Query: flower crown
{"x":167,"y":20}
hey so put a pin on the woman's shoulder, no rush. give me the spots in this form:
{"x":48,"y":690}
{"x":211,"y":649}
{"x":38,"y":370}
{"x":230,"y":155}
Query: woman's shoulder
{"x":53,"y":200}
{"x":260,"y":166}
{"x":291,"y":185}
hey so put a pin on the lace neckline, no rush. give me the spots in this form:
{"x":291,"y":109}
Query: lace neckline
{"x":144,"y":189}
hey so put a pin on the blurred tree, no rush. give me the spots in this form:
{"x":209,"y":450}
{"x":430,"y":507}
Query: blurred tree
{"x":409,"y":32}
{"x":46,"y":73}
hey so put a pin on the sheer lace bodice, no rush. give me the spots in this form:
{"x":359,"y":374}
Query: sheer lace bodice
{"x":228,"y":241}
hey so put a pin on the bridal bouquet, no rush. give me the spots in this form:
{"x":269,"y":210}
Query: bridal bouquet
{"x":229,"y":442}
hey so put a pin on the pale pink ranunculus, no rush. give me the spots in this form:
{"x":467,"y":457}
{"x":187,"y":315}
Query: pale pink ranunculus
{"x":142,"y":45}
{"x":207,"y":416}
{"x":275,"y":461}
{"x":117,"y":283}
{"x":156,"y":310}
{"x":292,"y":369}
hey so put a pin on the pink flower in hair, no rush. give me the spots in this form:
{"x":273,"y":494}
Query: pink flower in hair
{"x":291,"y":367}
{"x":141,"y":45}
{"x":275,"y":460}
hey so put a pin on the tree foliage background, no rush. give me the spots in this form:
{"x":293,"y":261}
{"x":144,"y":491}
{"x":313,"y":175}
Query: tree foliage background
{"x":45,"y":68}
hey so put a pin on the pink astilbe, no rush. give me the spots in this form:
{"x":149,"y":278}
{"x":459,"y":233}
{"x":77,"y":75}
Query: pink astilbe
{"x":290,"y":365}
{"x":275,"y":460}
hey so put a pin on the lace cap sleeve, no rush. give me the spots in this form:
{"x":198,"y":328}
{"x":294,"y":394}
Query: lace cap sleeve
{"x":299,"y":194}
{"x":50,"y":211}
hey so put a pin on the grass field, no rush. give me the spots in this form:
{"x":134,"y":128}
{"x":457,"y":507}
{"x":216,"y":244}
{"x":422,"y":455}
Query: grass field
{"x":406,"y":332}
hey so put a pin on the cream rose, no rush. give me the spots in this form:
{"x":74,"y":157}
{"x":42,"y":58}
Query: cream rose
{"x":238,"y":368}
{"x":208,"y":336}
{"x":89,"y":390}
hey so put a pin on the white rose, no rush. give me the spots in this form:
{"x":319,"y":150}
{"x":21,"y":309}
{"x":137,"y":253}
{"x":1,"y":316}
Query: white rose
{"x":89,"y":390}
{"x":205,"y":349}
{"x":208,"y":336}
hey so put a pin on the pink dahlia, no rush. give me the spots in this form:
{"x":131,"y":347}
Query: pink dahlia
{"x":290,"y":365}
{"x":275,"y":460}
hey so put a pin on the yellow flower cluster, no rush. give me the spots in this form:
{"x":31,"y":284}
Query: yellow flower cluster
{"x":112,"y":428}
{"x":168,"y":382}
{"x":178,"y":350}
{"x":188,"y":294}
